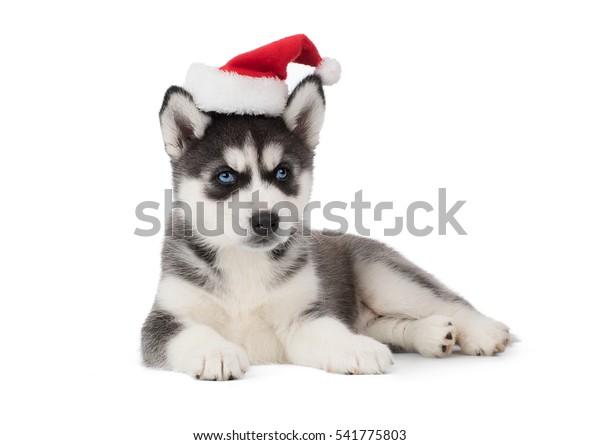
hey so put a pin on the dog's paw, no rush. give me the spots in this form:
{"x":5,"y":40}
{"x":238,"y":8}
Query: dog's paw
{"x":483,"y":336}
{"x":223,"y":361}
{"x":359,"y":355}
{"x":434,"y":336}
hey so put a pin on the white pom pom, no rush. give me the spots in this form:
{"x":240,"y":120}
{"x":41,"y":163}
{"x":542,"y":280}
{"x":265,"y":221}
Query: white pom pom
{"x":329,"y":70}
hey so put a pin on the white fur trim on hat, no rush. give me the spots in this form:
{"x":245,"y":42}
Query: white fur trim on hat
{"x":329,"y":70}
{"x":226,"y":92}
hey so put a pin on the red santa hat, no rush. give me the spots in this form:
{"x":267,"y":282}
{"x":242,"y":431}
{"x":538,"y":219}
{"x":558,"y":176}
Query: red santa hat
{"x":254,"y":82}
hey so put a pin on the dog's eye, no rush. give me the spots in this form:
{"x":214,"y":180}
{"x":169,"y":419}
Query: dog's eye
{"x":281,"y":174}
{"x":226,"y":177}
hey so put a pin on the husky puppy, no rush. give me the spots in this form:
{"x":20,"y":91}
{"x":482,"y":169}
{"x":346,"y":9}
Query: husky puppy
{"x":272,"y":295}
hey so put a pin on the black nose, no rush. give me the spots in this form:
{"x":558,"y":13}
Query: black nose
{"x":264,"y":222}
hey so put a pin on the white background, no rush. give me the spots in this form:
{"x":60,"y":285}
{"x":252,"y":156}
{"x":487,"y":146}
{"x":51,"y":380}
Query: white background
{"x":496,"y":101}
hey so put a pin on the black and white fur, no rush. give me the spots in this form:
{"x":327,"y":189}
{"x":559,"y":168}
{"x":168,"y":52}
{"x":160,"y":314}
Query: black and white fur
{"x":330,"y":302}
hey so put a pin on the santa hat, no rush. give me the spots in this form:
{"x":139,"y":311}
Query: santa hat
{"x":254,"y":82}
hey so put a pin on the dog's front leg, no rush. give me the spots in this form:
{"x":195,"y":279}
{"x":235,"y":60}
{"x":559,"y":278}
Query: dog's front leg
{"x":201,"y":352}
{"x":326,"y":343}
{"x":189,"y":347}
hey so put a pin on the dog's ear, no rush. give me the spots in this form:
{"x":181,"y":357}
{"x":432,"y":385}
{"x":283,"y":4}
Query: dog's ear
{"x":181,"y":122}
{"x":305,"y":110}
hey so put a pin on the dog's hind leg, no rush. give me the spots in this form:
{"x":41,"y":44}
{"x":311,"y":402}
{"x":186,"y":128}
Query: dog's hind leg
{"x":412,"y":309}
{"x":432,"y":336}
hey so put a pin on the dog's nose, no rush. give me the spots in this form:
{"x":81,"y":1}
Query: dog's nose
{"x":264,"y":222}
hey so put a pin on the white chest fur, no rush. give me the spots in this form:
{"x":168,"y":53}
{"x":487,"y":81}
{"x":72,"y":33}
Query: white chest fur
{"x":247,"y":279}
{"x":251,"y":308}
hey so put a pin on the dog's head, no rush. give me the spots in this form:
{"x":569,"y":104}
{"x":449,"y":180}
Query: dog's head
{"x":244,"y":180}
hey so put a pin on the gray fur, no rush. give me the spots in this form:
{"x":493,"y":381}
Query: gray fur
{"x":160,"y":326}
{"x":367,"y":250}
{"x":337,"y":257}
{"x":189,"y":257}
{"x":337,"y":283}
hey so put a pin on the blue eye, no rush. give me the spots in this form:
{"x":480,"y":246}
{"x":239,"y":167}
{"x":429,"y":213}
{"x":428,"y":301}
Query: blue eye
{"x":281,"y":174}
{"x":226,"y":177}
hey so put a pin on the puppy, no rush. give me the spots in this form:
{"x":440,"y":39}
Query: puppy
{"x":262,"y":289}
